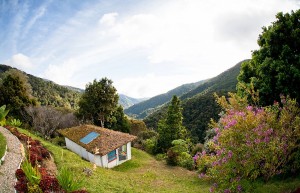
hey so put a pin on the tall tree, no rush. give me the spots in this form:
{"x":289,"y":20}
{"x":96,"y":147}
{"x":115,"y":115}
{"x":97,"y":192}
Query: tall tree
{"x":15,"y":92}
{"x":98,"y":102}
{"x":171,"y":128}
{"x":275,"y":68}
{"x":121,"y":123}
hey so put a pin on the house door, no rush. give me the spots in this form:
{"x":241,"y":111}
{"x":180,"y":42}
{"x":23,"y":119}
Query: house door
{"x":122,"y":151}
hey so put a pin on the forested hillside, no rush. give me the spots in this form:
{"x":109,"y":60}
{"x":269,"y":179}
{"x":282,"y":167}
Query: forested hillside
{"x":142,"y":109}
{"x":49,"y":93}
{"x":199,"y":104}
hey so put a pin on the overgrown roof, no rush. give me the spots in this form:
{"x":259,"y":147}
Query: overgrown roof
{"x":107,"y":141}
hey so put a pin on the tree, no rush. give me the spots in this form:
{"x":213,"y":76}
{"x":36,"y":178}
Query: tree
{"x":46,"y":120}
{"x":170,"y":128}
{"x":15,"y":92}
{"x":120,"y":123}
{"x":275,"y":68}
{"x":98,"y":102}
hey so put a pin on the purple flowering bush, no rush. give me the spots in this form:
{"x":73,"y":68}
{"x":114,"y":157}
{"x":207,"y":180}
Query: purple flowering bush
{"x":249,"y":143}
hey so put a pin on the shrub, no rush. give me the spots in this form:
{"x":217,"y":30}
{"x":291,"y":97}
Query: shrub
{"x":19,"y":174}
{"x":150,"y":145}
{"x":251,"y":142}
{"x":14,"y":122}
{"x":32,"y":173}
{"x":67,"y":181}
{"x":49,"y":183}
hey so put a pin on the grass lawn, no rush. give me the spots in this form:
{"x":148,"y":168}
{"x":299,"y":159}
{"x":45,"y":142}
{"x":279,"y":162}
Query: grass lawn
{"x":145,"y":174}
{"x":2,"y":145}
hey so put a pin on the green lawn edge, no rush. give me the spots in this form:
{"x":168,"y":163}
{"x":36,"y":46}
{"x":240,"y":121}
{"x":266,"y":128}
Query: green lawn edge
{"x":3,"y":143}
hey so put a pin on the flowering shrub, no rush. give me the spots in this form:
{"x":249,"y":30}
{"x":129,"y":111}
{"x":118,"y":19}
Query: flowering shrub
{"x":251,"y":142}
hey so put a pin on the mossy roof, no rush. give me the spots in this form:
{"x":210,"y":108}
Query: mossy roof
{"x":107,"y":141}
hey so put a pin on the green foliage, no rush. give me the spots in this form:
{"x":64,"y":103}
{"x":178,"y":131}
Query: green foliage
{"x":170,"y":128}
{"x":178,"y":154}
{"x":32,"y":173}
{"x":15,"y":92}
{"x":250,"y":143}
{"x":3,"y":114}
{"x":2,"y":146}
{"x":47,"y":93}
{"x":275,"y":68}
{"x":34,"y":188}
{"x":14,"y":122}
{"x":98,"y":102}
{"x":67,"y":181}
{"x":150,"y":145}
{"x":120,"y":122}
{"x":137,"y":126}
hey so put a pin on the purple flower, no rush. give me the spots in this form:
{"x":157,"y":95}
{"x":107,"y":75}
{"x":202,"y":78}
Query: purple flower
{"x":217,"y":130}
{"x":211,"y":189}
{"x":229,"y":154}
{"x":249,"y":108}
{"x":202,"y":175}
{"x":239,"y":188}
{"x":227,"y":191}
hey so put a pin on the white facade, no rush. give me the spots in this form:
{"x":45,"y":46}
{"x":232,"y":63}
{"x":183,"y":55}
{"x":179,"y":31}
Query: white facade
{"x":101,"y":161}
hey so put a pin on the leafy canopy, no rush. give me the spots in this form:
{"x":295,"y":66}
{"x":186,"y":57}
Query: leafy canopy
{"x":98,"y":102}
{"x":15,"y":92}
{"x":275,"y":68}
{"x":171,"y":128}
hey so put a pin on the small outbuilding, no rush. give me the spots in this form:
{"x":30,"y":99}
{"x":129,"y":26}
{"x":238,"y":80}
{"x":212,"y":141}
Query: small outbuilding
{"x":104,"y":147}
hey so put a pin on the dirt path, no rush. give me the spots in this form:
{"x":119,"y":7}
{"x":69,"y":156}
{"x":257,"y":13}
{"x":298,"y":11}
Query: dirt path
{"x":11,"y":163}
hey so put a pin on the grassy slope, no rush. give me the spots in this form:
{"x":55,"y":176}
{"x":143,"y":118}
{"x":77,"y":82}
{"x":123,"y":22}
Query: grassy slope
{"x":145,"y":174}
{"x":141,"y":174}
{"x":2,"y":145}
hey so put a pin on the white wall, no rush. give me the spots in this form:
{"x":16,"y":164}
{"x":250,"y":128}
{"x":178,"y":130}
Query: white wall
{"x":128,"y":150}
{"x":101,"y":161}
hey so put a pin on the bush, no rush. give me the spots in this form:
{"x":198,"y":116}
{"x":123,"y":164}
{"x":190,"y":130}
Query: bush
{"x":14,"y":122}
{"x":150,"y":145}
{"x":67,"y":181}
{"x":251,"y":142}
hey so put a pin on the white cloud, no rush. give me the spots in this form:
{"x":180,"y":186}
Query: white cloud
{"x":21,"y":62}
{"x":108,"y":19}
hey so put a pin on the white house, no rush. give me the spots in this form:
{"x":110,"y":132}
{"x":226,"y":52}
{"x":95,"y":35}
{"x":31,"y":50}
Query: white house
{"x":104,"y":147}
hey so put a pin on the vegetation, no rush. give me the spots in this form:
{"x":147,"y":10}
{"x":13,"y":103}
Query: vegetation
{"x":251,"y":142}
{"x":46,"y":120}
{"x":3,"y":114}
{"x":47,"y":93}
{"x":121,"y":123}
{"x":141,"y":174}
{"x":98,"y":102}
{"x":170,"y":128}
{"x":275,"y":68}
{"x":2,"y":146}
{"x":15,"y":92}
{"x":67,"y":181}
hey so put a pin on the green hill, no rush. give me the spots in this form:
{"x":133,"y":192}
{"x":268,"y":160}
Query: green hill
{"x":142,"y":109}
{"x":199,"y":104}
{"x":50,"y":93}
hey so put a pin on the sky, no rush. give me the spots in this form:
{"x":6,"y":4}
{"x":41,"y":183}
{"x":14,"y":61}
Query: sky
{"x":146,"y":47}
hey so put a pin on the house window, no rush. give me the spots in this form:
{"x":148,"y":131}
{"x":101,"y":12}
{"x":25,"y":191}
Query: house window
{"x":112,"y":155}
{"x":122,"y":152}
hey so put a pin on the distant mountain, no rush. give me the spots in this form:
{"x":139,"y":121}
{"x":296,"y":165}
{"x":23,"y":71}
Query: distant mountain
{"x":142,"y":109}
{"x":199,"y":104}
{"x":126,"y":101}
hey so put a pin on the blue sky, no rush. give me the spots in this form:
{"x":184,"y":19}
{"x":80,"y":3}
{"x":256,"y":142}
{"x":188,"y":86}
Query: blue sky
{"x":146,"y":47}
